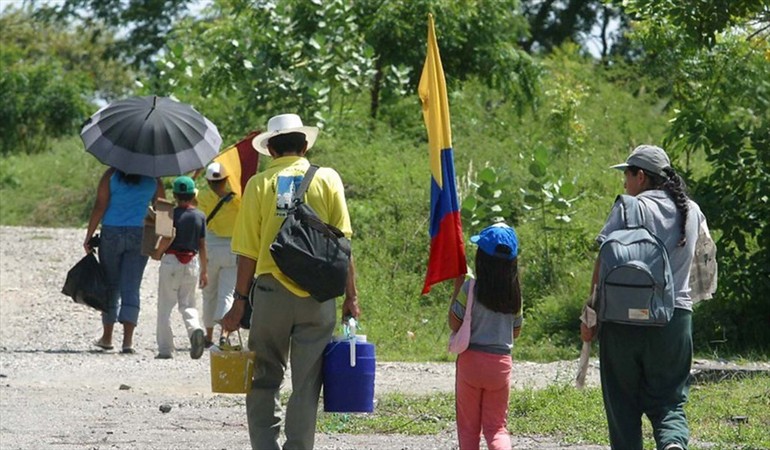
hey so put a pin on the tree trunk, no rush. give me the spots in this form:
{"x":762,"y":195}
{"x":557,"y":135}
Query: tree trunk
{"x":376,"y":86}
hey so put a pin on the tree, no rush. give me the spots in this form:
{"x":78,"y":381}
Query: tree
{"x":144,"y":23}
{"x":714,"y":56}
{"x":554,"y":22}
{"x":264,"y":56}
{"x":47,"y":78}
{"x":317,"y":56}
{"x":476,"y":38}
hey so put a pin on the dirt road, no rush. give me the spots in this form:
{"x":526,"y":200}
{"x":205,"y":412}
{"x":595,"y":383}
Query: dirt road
{"x":58,"y":392}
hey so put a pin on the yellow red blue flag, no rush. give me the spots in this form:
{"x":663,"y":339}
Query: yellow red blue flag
{"x":240,"y":161}
{"x":447,"y":248}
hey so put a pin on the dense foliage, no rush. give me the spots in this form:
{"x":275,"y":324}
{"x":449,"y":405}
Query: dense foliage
{"x":144,"y":25}
{"x":533,"y":136}
{"x":47,"y":76}
{"x":712,"y":61}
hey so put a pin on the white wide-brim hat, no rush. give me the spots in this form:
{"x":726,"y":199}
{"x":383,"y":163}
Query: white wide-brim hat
{"x":284,"y":124}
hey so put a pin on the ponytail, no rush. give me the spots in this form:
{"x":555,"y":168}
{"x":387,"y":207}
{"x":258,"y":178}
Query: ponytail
{"x":676,"y":188}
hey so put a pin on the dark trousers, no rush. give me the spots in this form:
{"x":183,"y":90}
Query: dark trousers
{"x":645,"y":370}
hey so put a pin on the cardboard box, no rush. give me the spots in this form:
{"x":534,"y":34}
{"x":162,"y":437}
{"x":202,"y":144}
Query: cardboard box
{"x":164,"y":218}
{"x":158,"y":223}
{"x":150,"y":240}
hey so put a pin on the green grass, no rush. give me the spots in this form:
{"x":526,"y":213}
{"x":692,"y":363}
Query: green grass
{"x":577,"y":416}
{"x":384,"y":165}
{"x":52,"y":189}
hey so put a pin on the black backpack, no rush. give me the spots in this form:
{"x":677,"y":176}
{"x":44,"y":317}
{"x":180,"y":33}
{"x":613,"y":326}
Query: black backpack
{"x":313,"y":254}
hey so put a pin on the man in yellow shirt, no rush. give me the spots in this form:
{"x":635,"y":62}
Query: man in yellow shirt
{"x":221,"y":207}
{"x":285,"y":318}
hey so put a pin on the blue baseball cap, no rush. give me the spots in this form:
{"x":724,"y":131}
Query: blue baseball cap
{"x":492,"y":237}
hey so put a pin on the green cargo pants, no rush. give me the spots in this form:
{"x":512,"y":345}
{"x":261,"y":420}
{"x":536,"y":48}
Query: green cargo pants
{"x":645,"y":370}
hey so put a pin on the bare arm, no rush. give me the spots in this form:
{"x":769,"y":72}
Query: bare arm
{"x":350,"y":304}
{"x":245,"y":275}
{"x":163,"y":245}
{"x":454,"y":322}
{"x":100,"y":206}
{"x":587,"y":334}
{"x":452,"y":319}
{"x":203,"y":258}
{"x":160,"y":191}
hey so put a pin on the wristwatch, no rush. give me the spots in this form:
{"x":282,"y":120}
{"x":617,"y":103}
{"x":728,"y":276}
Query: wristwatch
{"x":238,"y":296}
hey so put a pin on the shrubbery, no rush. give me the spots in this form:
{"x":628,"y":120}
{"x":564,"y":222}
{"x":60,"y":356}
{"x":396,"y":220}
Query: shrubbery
{"x":543,"y":167}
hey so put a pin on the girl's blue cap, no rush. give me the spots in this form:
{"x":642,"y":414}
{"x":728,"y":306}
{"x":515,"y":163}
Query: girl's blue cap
{"x":498,"y":240}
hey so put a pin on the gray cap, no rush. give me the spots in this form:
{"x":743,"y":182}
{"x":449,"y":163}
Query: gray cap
{"x":648,"y":157}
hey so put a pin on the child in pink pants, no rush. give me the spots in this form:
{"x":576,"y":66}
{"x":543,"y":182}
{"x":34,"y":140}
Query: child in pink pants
{"x":483,"y":371}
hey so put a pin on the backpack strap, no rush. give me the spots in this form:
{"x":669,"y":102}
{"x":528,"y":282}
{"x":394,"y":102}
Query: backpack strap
{"x":631,"y":208}
{"x":300,"y":192}
{"x":222,"y":201}
{"x":471,"y":296}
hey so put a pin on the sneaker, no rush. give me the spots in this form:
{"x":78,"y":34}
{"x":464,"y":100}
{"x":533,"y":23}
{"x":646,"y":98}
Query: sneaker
{"x":673,"y":447}
{"x":209,"y":343}
{"x":197,"y":344}
{"x":164,"y":356}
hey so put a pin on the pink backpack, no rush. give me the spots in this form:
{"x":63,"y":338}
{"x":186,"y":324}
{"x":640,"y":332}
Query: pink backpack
{"x":458,"y":341}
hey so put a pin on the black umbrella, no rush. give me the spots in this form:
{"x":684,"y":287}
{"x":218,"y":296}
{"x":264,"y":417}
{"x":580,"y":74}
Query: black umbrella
{"x":153,"y":136}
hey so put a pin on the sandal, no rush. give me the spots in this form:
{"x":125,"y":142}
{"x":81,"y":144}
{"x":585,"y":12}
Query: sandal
{"x":103,"y":346}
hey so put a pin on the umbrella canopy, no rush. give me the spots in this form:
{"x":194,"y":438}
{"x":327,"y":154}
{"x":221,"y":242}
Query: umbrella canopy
{"x":153,"y":136}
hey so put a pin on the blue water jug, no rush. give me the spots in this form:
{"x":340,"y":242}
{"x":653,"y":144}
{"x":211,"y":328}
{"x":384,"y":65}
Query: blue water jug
{"x":348,"y":375}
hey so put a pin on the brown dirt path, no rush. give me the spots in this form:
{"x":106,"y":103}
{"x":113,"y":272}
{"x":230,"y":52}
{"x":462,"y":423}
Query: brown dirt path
{"x":58,"y":392}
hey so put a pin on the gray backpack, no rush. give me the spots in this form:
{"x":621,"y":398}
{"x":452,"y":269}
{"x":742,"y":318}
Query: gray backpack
{"x":636,"y":285}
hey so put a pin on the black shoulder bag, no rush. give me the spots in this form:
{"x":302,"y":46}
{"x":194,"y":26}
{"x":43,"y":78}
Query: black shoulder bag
{"x":313,"y":254}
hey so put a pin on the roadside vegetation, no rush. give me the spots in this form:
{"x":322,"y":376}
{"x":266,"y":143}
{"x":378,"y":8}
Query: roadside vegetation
{"x":731,"y":414}
{"x":536,"y":120}
{"x":534,"y":133}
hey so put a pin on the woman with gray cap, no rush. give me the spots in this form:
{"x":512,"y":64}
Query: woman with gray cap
{"x":645,"y":369}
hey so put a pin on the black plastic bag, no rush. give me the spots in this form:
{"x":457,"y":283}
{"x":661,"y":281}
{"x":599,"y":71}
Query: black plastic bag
{"x":87,"y":284}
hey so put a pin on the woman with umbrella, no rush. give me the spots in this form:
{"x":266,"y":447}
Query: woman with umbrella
{"x":121,"y":204}
{"x":141,"y":139}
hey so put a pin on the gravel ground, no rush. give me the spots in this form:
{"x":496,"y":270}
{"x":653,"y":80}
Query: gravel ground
{"x":57,"y":391}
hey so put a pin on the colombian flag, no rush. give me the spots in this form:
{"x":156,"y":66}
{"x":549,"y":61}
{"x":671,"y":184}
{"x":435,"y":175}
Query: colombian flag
{"x":447,"y":250}
{"x":240,"y":161}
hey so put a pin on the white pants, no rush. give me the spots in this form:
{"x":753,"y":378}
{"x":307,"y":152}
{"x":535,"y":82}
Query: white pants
{"x":218,"y":294}
{"x":176,"y":286}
